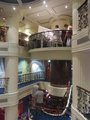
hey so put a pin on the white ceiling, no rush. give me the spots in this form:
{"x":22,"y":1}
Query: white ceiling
{"x":38,"y":13}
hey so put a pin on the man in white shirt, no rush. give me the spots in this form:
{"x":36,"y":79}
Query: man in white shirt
{"x":34,"y":90}
{"x":39,"y":98}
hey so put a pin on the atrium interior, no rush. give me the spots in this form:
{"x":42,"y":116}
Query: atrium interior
{"x":44,"y":59}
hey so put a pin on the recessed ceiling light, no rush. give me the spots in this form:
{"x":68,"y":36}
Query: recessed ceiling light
{"x":14,"y":8}
{"x":49,"y":61}
{"x":44,"y":2}
{"x":3,"y":18}
{"x":30,"y":7}
{"x":66,"y":6}
{"x":46,"y":6}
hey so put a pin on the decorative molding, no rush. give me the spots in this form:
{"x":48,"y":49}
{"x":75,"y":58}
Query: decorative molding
{"x":3,"y":49}
{"x":3,"y":100}
{"x":83,"y":40}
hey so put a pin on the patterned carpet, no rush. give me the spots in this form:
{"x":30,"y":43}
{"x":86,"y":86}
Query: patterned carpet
{"x":39,"y":115}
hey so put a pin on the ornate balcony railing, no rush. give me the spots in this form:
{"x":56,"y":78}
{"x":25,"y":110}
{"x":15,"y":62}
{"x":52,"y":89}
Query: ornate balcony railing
{"x":31,"y":77}
{"x":83,"y":16}
{"x":55,"y":38}
{"x":83,"y":103}
{"x":4,"y":85}
{"x":23,"y":39}
{"x":3,"y":33}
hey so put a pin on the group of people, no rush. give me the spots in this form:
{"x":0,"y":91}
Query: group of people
{"x":64,"y":37}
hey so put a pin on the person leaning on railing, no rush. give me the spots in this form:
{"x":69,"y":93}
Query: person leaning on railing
{"x":68,"y":36}
{"x":57,"y":36}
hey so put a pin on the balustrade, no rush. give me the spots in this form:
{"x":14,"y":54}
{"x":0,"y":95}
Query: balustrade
{"x":3,"y":33}
{"x":31,"y":76}
{"x":3,"y":85}
{"x":55,"y":38}
{"x":23,"y":39}
{"x":83,"y":103}
{"x":83,"y":16}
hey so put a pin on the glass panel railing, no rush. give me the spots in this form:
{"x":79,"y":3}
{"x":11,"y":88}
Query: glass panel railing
{"x":4,"y":85}
{"x":83,"y":102}
{"x":3,"y":33}
{"x":83,"y":16}
{"x":55,"y":38}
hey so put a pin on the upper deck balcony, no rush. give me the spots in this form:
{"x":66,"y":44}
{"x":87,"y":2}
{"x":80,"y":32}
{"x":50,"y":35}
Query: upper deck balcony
{"x":7,"y":48}
{"x":54,"y":38}
{"x":22,"y":37}
{"x":55,"y":44}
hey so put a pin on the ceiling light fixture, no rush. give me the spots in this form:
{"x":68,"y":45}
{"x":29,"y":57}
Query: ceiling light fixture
{"x":44,"y":2}
{"x":49,"y":61}
{"x":66,"y":6}
{"x":30,"y":7}
{"x":14,"y":8}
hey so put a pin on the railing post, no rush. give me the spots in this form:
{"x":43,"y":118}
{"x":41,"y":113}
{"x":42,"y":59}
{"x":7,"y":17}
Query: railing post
{"x":6,"y":85}
{"x":41,"y":43}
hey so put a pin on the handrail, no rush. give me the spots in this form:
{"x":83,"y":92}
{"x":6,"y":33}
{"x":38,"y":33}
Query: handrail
{"x":83,"y":100}
{"x":54,"y":38}
{"x":4,"y":84}
{"x":83,"y":89}
{"x":47,"y":31}
{"x":23,"y":78}
{"x":82,"y":5}
{"x":66,"y":107}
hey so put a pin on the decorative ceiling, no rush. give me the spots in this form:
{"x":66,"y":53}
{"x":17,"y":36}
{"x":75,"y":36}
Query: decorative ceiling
{"x":37,"y":11}
{"x":17,"y":1}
